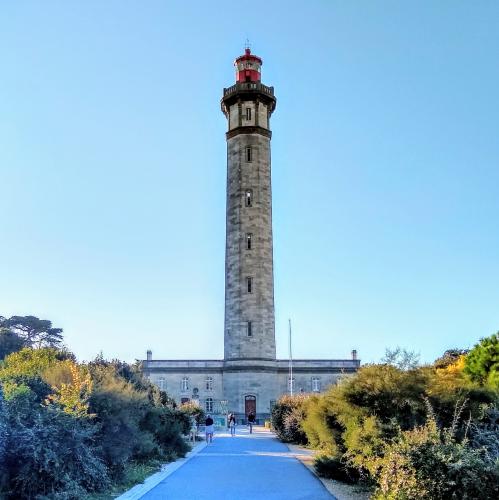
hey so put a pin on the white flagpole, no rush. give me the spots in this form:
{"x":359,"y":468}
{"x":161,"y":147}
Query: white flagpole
{"x":290,"y":362}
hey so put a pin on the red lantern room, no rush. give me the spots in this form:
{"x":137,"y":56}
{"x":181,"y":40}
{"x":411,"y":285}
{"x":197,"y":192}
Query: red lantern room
{"x":248,"y":67}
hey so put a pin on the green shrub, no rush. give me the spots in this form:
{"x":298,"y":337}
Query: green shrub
{"x":336,"y":468}
{"x":3,"y":439}
{"x":287,"y":415}
{"x":376,"y":421}
{"x":72,"y":428}
{"x":167,"y":425}
{"x":192,"y":409}
{"x":321,"y":427}
{"x":425,"y":463}
{"x":32,"y":362}
{"x":485,"y":434}
{"x":393,"y":395}
{"x":482,"y":362}
{"x":49,"y":451}
{"x":124,"y":404}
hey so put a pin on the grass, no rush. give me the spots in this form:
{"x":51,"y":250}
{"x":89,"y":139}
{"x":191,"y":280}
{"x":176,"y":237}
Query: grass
{"x":135,"y":473}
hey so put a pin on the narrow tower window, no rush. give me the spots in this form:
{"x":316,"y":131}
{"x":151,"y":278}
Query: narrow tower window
{"x":248,"y":114}
{"x":249,"y":329}
{"x":249,"y":153}
{"x":249,"y":284}
{"x":249,"y":198}
{"x":185,"y":384}
{"x":248,"y":241}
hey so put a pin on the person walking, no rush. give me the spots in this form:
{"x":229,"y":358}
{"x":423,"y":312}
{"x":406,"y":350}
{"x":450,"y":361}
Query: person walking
{"x":194,"y":429}
{"x":232,"y":424}
{"x":251,"y":421}
{"x":209,"y":428}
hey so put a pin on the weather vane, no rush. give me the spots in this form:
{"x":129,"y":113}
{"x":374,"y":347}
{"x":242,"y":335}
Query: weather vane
{"x":247,"y":45}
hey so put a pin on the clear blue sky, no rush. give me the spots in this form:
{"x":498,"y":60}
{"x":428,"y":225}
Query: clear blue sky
{"x":385,"y":172}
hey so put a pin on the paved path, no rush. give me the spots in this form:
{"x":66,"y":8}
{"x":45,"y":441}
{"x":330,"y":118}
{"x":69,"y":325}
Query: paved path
{"x":249,"y":466}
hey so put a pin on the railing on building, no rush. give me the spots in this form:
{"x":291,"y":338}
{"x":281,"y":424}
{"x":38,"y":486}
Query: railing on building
{"x":249,"y":86}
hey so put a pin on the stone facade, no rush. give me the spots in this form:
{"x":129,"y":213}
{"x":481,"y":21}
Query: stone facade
{"x":250,"y":378}
{"x":249,"y":285}
{"x":220,"y":386}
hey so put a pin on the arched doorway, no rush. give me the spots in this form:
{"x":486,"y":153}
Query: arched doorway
{"x":249,"y":405}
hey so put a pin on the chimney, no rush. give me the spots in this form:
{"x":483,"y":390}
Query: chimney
{"x":354,"y":354}
{"x":149,"y":355}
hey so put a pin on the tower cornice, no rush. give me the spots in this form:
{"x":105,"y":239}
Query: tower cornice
{"x":248,"y":91}
{"x":248,"y":130}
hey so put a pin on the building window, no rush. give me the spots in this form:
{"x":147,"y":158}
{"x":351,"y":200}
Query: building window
{"x":209,"y":383}
{"x":249,"y":153}
{"x":249,"y":284}
{"x":272,"y":404}
{"x":248,"y":116}
{"x":185,"y":384}
{"x":249,"y":329}
{"x":291,"y":384}
{"x":316,"y":384}
{"x":209,"y":405}
{"x":248,"y":199}
{"x":184,"y":400}
{"x":248,"y":241}
{"x":162,"y":384}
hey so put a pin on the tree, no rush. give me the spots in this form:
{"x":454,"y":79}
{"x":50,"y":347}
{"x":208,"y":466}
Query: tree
{"x":9,"y":342}
{"x":482,"y":362}
{"x":32,"y":362}
{"x":33,"y":331}
{"x":450,"y":357}
{"x":401,"y":358}
{"x":193,"y":409}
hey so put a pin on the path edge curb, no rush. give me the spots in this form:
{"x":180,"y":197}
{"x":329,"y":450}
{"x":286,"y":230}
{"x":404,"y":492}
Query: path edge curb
{"x":139,"y":490}
{"x":294,"y":449}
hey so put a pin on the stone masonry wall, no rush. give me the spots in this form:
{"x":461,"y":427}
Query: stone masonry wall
{"x":252,"y":177}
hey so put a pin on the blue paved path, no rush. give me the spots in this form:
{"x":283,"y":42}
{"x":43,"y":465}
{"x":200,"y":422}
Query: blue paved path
{"x":249,"y":466}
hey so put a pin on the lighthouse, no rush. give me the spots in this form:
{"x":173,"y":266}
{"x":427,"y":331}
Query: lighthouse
{"x":249,"y":331}
{"x":249,"y":379}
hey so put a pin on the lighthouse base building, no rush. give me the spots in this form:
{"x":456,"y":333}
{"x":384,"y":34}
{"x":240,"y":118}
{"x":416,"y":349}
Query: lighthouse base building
{"x":249,"y":379}
{"x":220,"y":388}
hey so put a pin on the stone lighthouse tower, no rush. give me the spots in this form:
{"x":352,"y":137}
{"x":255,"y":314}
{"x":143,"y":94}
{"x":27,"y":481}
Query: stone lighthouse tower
{"x":249,"y":379}
{"x":249,"y":281}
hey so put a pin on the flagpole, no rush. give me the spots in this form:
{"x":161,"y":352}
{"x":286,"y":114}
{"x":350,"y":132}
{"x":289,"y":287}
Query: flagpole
{"x":290,"y":362}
